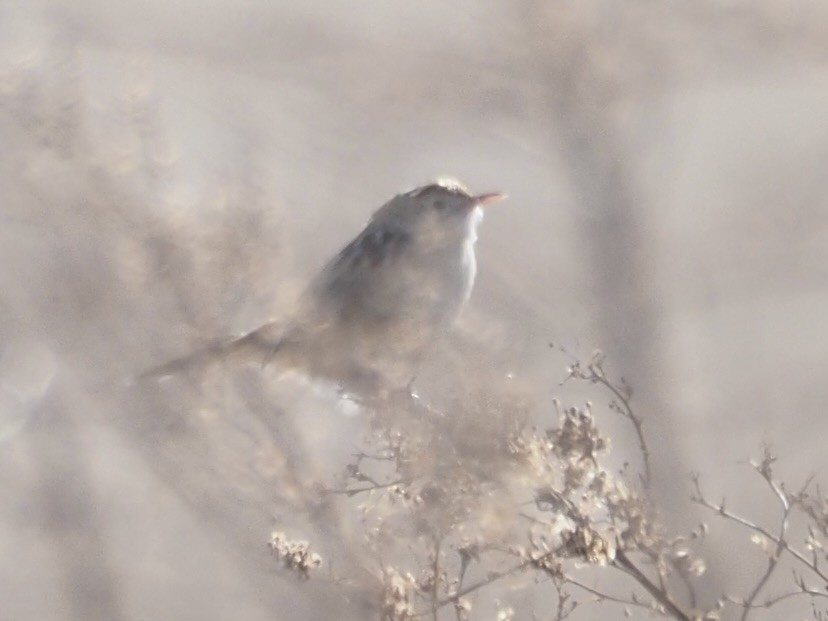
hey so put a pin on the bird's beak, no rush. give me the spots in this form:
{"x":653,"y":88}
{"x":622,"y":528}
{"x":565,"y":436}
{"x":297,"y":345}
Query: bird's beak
{"x":488,"y":199}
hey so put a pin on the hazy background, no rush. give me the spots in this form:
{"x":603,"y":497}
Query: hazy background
{"x":172,"y":172}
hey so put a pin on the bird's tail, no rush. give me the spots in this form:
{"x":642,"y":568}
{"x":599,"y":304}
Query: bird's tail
{"x":257,"y":346}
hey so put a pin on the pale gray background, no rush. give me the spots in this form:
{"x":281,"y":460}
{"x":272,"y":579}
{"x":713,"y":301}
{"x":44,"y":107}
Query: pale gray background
{"x":176,"y":171}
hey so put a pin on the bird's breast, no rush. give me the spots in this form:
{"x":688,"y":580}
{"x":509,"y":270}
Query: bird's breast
{"x":469,"y":268}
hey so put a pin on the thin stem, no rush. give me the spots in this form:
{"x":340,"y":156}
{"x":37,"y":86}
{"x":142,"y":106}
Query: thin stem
{"x":773,"y":559}
{"x":597,"y":375}
{"x":594,"y":373}
{"x":609,"y":598}
{"x":662,"y":596}
{"x":720,"y":509}
{"x":465,"y":560}
{"x":772,"y":601}
{"x":563,"y":611}
{"x":367,"y":488}
{"x":435,"y":579}
{"x":492,"y":578}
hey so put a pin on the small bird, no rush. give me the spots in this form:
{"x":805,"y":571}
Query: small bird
{"x":368,"y":318}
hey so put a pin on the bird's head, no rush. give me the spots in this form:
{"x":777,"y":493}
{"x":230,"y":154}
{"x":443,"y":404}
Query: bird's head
{"x":439,"y":213}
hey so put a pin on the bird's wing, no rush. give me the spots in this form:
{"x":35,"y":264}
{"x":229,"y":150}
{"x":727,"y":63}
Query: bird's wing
{"x":365,"y":266}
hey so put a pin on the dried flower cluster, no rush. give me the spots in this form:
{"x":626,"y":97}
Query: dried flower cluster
{"x":398,"y":595}
{"x":454,"y":502}
{"x":295,"y":555}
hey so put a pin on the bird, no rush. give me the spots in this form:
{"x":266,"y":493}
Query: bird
{"x":370,"y":316}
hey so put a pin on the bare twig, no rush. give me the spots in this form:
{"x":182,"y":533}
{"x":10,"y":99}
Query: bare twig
{"x":465,"y":559}
{"x":764,"y":469}
{"x":699,"y":498}
{"x":772,"y":601}
{"x":493,"y":577}
{"x":633,"y":601}
{"x":661,"y":596}
{"x":435,"y":578}
{"x":368,"y":488}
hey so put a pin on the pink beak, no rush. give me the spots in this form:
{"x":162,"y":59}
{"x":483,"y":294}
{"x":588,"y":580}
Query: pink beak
{"x":488,"y":199}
